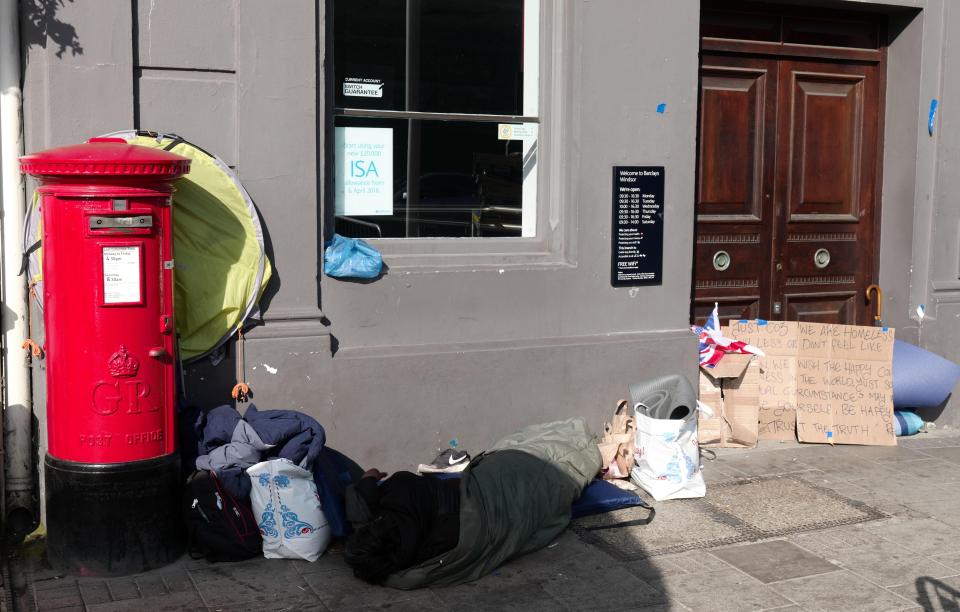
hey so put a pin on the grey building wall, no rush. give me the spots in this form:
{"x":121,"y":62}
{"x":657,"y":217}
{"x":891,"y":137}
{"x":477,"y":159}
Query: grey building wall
{"x":936,"y":274}
{"x":470,"y":339}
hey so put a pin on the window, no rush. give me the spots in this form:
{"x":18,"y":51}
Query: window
{"x":436,"y":118}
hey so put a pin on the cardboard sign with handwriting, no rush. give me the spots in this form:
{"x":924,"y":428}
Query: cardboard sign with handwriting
{"x":845,"y":384}
{"x":837,"y":378}
{"x":778,"y":374}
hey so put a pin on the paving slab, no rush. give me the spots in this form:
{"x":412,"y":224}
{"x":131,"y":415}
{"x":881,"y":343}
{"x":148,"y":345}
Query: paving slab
{"x":123,"y":588}
{"x":95,"y":593}
{"x":841,"y":591}
{"x":880,"y":454}
{"x":951,"y":560}
{"x":716,"y":472}
{"x":249,"y":584}
{"x":765,"y":463}
{"x":903,"y":489}
{"x":177,"y":580}
{"x":54,"y":595}
{"x":889,"y":564}
{"x":937,"y":439}
{"x":612,"y":588}
{"x":506,"y":591}
{"x":825,"y":542}
{"x":774,"y":560}
{"x":949,"y":454}
{"x":721,"y":590}
{"x":943,"y":510}
{"x":843,"y":465}
{"x":922,"y":536}
{"x":159,"y":603}
{"x":696,"y":561}
{"x":339,"y":590}
{"x":931,"y":469}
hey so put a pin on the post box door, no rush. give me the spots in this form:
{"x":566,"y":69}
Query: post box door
{"x":108,"y":270}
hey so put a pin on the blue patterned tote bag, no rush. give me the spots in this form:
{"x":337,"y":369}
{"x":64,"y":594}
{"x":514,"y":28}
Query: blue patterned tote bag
{"x":288,"y":510}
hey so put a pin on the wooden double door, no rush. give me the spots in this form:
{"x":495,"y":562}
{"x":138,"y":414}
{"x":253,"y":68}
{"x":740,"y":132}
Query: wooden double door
{"x":787,"y":224}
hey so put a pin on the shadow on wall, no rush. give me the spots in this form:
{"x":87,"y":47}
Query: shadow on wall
{"x":39,"y":24}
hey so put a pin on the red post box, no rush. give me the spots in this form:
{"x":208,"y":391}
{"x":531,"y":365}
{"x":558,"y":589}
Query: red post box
{"x":112,"y":473}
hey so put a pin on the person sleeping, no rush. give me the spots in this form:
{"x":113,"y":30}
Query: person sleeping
{"x":400,"y":522}
{"x":416,"y":531}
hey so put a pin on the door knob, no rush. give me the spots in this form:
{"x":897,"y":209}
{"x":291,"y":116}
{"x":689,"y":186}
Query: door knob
{"x":821,"y":258}
{"x":721,"y":261}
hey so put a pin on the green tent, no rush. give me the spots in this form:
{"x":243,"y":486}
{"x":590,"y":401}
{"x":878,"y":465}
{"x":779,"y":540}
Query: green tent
{"x":221,"y":266}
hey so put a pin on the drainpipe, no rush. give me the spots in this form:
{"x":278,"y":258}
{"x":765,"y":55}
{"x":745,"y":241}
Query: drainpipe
{"x":17,"y":406}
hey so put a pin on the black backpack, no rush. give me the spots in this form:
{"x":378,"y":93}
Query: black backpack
{"x":219,"y":527}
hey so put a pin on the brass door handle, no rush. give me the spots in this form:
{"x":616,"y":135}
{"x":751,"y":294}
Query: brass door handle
{"x":879,"y":298}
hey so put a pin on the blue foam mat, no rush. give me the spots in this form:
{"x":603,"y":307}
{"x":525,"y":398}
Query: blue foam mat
{"x":602,"y":496}
{"x":921,"y":379}
{"x":598,"y":496}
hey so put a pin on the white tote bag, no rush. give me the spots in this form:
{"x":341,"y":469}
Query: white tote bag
{"x":288,"y":510}
{"x":667,"y":461}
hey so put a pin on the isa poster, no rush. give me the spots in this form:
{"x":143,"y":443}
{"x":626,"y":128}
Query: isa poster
{"x":364,"y":171}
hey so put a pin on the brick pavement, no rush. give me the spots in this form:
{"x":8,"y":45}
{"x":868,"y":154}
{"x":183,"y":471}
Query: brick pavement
{"x":909,"y":560}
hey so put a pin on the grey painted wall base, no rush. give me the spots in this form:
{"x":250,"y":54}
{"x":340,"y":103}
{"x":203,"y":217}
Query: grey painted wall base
{"x":394,"y":409}
{"x":287,"y":366}
{"x":391,"y":407}
{"x":933,"y":337}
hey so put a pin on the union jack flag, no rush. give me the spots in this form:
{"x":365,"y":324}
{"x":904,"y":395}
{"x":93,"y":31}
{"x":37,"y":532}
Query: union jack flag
{"x":714,"y":345}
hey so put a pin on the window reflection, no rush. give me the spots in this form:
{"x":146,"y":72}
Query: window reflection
{"x":401,"y":175}
{"x":369,"y":53}
{"x":470,"y":183}
{"x":471,"y":57}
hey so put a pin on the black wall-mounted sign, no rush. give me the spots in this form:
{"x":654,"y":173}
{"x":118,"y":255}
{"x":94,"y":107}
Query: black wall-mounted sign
{"x":637,"y":236}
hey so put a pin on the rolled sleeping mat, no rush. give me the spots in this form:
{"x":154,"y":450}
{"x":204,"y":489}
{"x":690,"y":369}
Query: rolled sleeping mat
{"x":906,"y":423}
{"x":921,"y":379}
{"x":666,"y":397}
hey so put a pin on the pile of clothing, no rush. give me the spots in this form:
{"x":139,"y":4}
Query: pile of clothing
{"x":223,"y":441}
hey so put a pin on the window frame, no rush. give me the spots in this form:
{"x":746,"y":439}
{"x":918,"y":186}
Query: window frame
{"x":552,"y":244}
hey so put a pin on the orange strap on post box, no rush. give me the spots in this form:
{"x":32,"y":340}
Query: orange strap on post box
{"x":32,"y":347}
{"x":240,"y":390}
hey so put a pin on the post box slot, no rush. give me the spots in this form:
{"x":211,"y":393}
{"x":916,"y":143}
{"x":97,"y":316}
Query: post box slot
{"x":121,"y":222}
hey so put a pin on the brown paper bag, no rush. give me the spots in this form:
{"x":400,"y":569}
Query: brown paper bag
{"x":618,"y":443}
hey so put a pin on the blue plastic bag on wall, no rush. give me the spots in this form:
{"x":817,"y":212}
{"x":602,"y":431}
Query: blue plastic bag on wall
{"x":351,"y":258}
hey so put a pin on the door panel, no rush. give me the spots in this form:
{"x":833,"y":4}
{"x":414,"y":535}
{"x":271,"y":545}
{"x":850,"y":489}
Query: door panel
{"x":786,"y":198}
{"x":821,"y":308}
{"x":827,"y":156}
{"x":826,"y":127}
{"x":731,"y":144}
{"x":735,"y":170}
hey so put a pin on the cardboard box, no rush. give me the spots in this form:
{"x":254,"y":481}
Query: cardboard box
{"x":837,"y":380}
{"x":732,"y":390}
{"x":778,"y":373}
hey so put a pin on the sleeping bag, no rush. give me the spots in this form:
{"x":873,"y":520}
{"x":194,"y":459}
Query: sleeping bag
{"x":514,"y":499}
